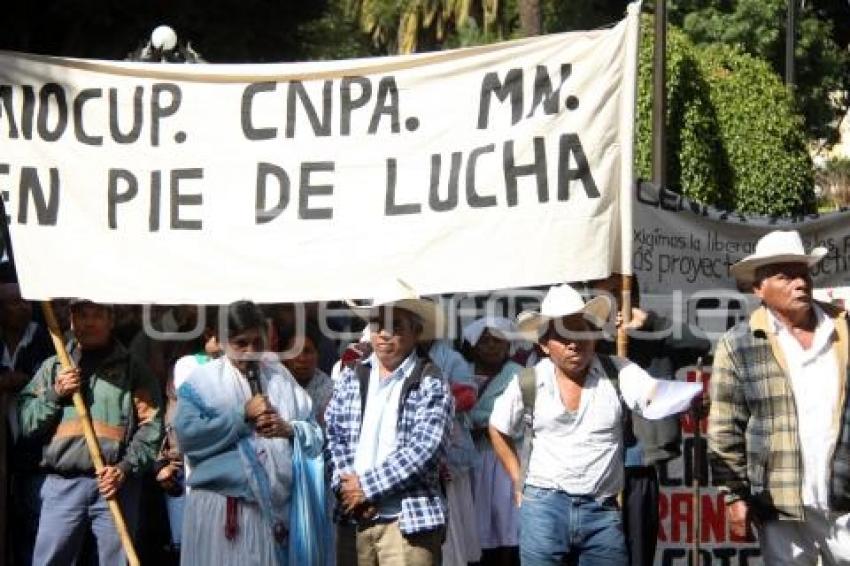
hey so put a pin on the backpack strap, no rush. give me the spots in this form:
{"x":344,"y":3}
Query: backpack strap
{"x":423,"y":366}
{"x":613,"y":375}
{"x":361,"y":372}
{"x":528,"y":388}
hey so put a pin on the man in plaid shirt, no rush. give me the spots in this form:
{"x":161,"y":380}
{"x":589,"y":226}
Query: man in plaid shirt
{"x":387,"y":427}
{"x":779,"y":428}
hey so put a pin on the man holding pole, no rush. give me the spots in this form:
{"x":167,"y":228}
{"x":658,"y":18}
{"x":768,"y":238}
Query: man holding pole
{"x":659,"y":348}
{"x":779,"y":427}
{"x":123,"y":400}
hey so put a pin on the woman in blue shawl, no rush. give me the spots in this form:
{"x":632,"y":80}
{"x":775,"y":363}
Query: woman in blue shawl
{"x":239,"y":420}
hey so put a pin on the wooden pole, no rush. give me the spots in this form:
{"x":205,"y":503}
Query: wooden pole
{"x":622,"y":335}
{"x":626,"y":311}
{"x":790,"y":40}
{"x":88,"y":431}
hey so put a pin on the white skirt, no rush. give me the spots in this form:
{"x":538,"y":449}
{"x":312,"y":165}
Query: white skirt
{"x":204,"y":544}
{"x":461,"y":545}
{"x":492,"y":489}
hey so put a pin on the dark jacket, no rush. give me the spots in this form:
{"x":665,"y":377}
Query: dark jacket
{"x":125,"y":407}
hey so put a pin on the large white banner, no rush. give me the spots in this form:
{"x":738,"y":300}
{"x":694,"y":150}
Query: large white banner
{"x":498,"y":166}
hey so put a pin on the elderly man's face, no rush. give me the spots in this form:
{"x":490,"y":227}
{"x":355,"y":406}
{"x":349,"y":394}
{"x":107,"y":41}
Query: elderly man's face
{"x":569,"y":344}
{"x":394,"y":335}
{"x":785,"y":288}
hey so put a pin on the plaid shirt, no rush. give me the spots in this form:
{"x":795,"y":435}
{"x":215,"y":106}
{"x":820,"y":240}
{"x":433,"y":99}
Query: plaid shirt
{"x":753,"y":438}
{"x":411,"y":469}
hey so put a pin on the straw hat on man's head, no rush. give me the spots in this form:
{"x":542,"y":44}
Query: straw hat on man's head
{"x":400,"y":295}
{"x":775,"y":247}
{"x":560,"y":302}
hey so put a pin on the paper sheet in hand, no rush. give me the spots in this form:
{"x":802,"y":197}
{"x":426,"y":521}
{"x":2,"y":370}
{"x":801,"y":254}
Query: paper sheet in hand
{"x":671,"y":397}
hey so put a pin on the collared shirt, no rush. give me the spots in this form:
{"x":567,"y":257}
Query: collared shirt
{"x":412,"y":469}
{"x":579,"y":452}
{"x":815,"y":384}
{"x":380,"y":421}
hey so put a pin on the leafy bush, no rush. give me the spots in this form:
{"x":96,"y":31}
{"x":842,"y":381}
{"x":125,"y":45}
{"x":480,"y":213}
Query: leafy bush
{"x":694,"y":167}
{"x":762,"y":135}
{"x":822,"y":62}
{"x":733,"y":137}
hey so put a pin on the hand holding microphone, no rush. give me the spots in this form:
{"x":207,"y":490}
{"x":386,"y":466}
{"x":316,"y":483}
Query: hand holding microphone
{"x":258,"y":404}
{"x":258,"y":410}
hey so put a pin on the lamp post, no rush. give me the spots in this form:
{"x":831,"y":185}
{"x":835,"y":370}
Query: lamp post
{"x":659,"y":96}
{"x":163,"y":39}
{"x":790,"y":40}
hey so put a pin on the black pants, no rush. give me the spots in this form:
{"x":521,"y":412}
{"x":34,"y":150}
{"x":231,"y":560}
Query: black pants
{"x":500,"y":556}
{"x":640,"y":514}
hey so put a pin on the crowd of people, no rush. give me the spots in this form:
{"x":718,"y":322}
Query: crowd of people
{"x":521,"y":441}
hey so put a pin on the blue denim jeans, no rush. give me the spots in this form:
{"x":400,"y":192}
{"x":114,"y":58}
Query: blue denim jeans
{"x":557,"y":528}
{"x":72,"y":506}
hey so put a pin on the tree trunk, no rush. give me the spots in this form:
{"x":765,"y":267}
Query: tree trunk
{"x":531,"y":20}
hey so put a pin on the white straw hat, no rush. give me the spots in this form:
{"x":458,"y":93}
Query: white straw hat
{"x":775,"y":247}
{"x":562,"y":301}
{"x":400,"y":295}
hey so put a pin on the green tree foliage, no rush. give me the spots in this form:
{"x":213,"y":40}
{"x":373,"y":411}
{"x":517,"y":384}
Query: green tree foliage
{"x":334,"y":36}
{"x":586,"y":14}
{"x":822,"y":61}
{"x":406,"y":26}
{"x":762,"y":135}
{"x":695,"y":164}
{"x":757,"y":27}
{"x":734,"y":139}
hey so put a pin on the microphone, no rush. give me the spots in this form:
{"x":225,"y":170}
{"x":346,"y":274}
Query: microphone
{"x":252,"y":374}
